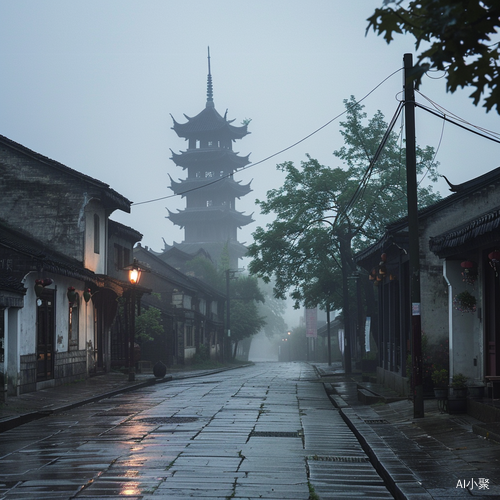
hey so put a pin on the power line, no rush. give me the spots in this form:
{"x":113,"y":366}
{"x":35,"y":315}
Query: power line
{"x":348,"y":108}
{"x":366,"y":176}
{"x":443,"y":113}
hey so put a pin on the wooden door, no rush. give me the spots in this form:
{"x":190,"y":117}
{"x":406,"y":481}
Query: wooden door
{"x":492,"y":318}
{"x":45,"y":335}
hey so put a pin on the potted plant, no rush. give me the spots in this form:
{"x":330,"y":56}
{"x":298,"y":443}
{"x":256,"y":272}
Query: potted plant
{"x":459,"y":385}
{"x":465,"y":302}
{"x":440,"y":380}
{"x":457,"y":403}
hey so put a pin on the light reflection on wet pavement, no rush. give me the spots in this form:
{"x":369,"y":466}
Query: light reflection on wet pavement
{"x":256,"y":432}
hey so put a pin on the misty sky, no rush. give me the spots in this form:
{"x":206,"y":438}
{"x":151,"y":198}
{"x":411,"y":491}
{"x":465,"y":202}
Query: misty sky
{"x":92,"y":84}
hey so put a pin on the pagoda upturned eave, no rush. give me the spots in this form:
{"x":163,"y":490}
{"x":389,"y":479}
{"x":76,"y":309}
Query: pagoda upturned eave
{"x":207,"y":157}
{"x":209,"y":123}
{"x":205,"y":215}
{"x":225,"y":184}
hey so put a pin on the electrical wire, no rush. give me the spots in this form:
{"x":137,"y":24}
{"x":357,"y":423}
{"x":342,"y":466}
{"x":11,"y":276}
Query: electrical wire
{"x":366,"y":176}
{"x":435,"y":154}
{"x":446,"y":113}
{"x":445,"y":117}
{"x":348,"y":108}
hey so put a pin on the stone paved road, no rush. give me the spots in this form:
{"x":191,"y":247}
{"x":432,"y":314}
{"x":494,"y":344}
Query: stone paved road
{"x":261,"y":432}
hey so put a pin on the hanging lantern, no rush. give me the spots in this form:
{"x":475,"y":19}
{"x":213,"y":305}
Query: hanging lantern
{"x":382,"y":269}
{"x":469,"y":271}
{"x":38,"y":288}
{"x":87,"y":295}
{"x":494,"y":261}
{"x":72,"y":295}
{"x":41,"y":284}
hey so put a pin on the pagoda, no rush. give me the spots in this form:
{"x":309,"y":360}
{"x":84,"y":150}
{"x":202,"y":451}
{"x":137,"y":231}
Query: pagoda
{"x":210,"y":219}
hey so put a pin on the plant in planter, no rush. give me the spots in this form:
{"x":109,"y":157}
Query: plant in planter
{"x":459,"y":382}
{"x":457,"y":403}
{"x":465,"y":302}
{"x":440,"y":378}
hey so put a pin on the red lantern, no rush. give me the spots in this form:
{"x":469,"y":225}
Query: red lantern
{"x":494,"y":260}
{"x":72,"y":295}
{"x":469,"y":271}
{"x":494,"y":256}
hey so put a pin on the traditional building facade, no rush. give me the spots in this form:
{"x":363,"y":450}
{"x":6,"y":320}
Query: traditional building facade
{"x":459,"y":256}
{"x":192,"y":312}
{"x":210,"y":219}
{"x":59,"y":280}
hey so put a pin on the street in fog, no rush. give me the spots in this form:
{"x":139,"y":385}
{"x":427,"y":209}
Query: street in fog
{"x":263,"y":431}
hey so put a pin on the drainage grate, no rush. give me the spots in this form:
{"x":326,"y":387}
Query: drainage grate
{"x":338,"y":459}
{"x":167,"y":420}
{"x":248,"y":396}
{"x":275,"y":434}
{"x":376,"y":421}
{"x":114,"y":413}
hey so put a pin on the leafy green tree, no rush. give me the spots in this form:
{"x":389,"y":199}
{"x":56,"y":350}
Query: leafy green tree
{"x":248,"y":311}
{"x":205,"y":270}
{"x":148,"y":325}
{"x":245,"y":319}
{"x":457,"y":38}
{"x":323,"y":215}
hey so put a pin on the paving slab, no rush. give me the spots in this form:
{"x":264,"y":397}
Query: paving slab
{"x":423,"y":458}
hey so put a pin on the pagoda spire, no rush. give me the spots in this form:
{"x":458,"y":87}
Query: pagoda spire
{"x":210,"y":90}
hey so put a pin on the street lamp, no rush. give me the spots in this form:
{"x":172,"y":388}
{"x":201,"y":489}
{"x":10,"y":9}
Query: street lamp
{"x":134,"y":276}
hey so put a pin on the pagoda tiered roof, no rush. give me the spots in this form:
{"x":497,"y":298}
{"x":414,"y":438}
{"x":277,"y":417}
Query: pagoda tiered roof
{"x":209,"y":123}
{"x":208,"y":157}
{"x":209,"y":215}
{"x":221,"y":184}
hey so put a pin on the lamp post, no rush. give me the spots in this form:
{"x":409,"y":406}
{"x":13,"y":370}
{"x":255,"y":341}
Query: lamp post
{"x":226,"y":350}
{"x":289,"y":346}
{"x":134,"y":276}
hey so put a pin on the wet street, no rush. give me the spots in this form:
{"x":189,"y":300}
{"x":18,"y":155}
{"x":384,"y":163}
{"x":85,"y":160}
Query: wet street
{"x":266,"y":431}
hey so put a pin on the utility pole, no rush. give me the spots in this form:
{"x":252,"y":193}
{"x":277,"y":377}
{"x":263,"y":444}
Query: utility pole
{"x":328,"y":330}
{"x":230,"y":274}
{"x":413,"y":235}
{"x":227,"y":343}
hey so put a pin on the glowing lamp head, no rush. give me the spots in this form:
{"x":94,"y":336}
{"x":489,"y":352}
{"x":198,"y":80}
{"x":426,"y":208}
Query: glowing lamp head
{"x":134,"y":275}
